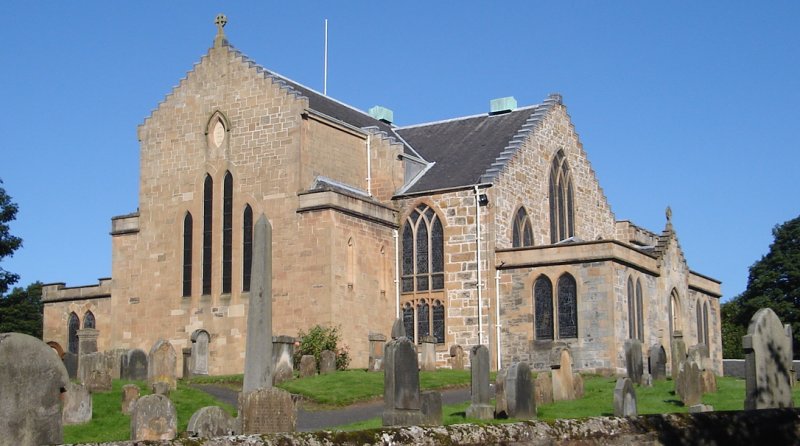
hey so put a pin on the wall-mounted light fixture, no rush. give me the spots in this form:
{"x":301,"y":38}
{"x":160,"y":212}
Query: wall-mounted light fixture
{"x":483,"y":200}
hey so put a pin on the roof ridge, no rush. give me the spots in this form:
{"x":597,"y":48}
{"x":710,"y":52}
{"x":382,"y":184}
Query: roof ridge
{"x":460,"y":118}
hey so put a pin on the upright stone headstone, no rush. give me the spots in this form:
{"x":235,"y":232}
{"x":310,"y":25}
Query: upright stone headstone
{"x":160,"y":388}
{"x":563,"y":387}
{"x":401,"y":396}
{"x":431,"y":407}
{"x":577,"y":384}
{"x":376,"y":343}
{"x":130,"y":393}
{"x":87,"y":341}
{"x":457,"y":357}
{"x":308,"y":366}
{"x":543,"y":389}
{"x":688,"y":384}
{"x":398,"y":329}
{"x":154,"y":418}
{"x":77,"y":405}
{"x":500,"y":401}
{"x":32,"y":378}
{"x":200,"y":342}
{"x":258,"y":354}
{"x":479,"y":367}
{"x":768,"y":363}
{"x":708,"y":382}
{"x":699,"y":353}
{"x":211,"y":421}
{"x":114,"y":358}
{"x":162,"y":364}
{"x":70,"y":361}
{"x":327,"y":362}
{"x":677,"y":352}
{"x":133,"y":365}
{"x":268,"y":410}
{"x":519,"y":392}
{"x":98,"y":381}
{"x":282,"y":354}
{"x":658,"y":362}
{"x":187,"y":362}
{"x":428,"y":354}
{"x":625,"y":398}
{"x":634,"y":363}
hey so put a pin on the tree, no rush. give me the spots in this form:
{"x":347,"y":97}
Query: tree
{"x":774,"y":282}
{"x":8,"y":243}
{"x":21,"y":310}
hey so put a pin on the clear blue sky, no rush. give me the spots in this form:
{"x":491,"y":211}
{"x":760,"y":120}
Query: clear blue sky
{"x":688,"y":104}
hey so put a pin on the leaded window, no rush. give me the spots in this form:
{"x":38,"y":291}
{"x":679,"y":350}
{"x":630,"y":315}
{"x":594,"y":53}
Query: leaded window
{"x":522,"y":231}
{"x":247,"y":246}
{"x":208,"y":218}
{"x":88,"y":320}
{"x":438,"y":322}
{"x":424,"y":317}
{"x":408,"y":320}
{"x":72,"y":333}
{"x":423,"y":251}
{"x":227,"y":232}
{"x":543,"y":308}
{"x":187,"y":255}
{"x":423,"y":320}
{"x":639,"y":311}
{"x":567,"y":307}
{"x":562,"y":224}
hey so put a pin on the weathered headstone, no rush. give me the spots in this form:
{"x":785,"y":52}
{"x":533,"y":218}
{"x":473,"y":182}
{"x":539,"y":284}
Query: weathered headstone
{"x":327,"y":362}
{"x":32,"y":378}
{"x":187,"y":362}
{"x":519,"y":391}
{"x":633,"y":360}
{"x":211,"y":421}
{"x":200,"y":342}
{"x":154,"y":418}
{"x":308,"y":366}
{"x":563,"y":387}
{"x":160,"y":388}
{"x":658,"y":362}
{"x":282,"y":353}
{"x":677,"y":352}
{"x":457,"y":357}
{"x":71,"y":364}
{"x":130,"y":393}
{"x":768,"y":363}
{"x":268,"y":410}
{"x":87,"y":341}
{"x":133,"y":365}
{"x":98,"y":381}
{"x":114,"y":358}
{"x":398,"y":329}
{"x":431,"y":408}
{"x":543,"y":389}
{"x":401,"y":396}
{"x":162,"y":364}
{"x":647,"y":379}
{"x":699,"y":353}
{"x":428,"y":354}
{"x":479,"y":368}
{"x":625,"y":398}
{"x":708,"y":382}
{"x":577,"y":384}
{"x":500,"y":401}
{"x":92,"y":369}
{"x":376,"y":343}
{"x":258,"y":354}
{"x":77,"y":405}
{"x":688,"y":384}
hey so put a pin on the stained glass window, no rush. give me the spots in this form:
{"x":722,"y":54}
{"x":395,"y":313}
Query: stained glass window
{"x":561,"y":200}
{"x":438,"y":322}
{"x":88,"y":320}
{"x":408,"y":320}
{"x":567,"y":307}
{"x":543,"y":308}
{"x":423,"y":251}
{"x":408,"y":258}
{"x":631,"y":311}
{"x":187,"y":255}
{"x":639,"y":311}
{"x":208,"y":218}
{"x":72,"y":328}
{"x":423,"y":320}
{"x":522,"y":232}
{"x":227,"y":232}
{"x":422,"y":257}
{"x":247,"y":247}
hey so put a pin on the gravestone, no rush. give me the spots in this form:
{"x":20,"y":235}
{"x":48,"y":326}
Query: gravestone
{"x":91,"y":363}
{"x":268,"y":410}
{"x":688,"y":384}
{"x":647,"y":380}
{"x":699,"y":353}
{"x":518,"y":390}
{"x":625,"y":398}
{"x":32,"y":378}
{"x":160,"y":388}
{"x":428,"y":354}
{"x":543,"y":389}
{"x":401,"y":396}
{"x":677,"y":352}
{"x":398,"y":329}
{"x":98,"y":381}
{"x":768,"y":363}
{"x":562,"y":376}
{"x":282,"y":354}
{"x":708,"y":382}
{"x":327,"y":362}
{"x":114,"y":358}
{"x":376,"y":343}
{"x":480,"y":407}
{"x":633,"y":360}
{"x":577,"y":384}
{"x":500,"y":402}
{"x":258,"y":354}
{"x":77,"y":405}
{"x":308,"y":366}
{"x":187,"y":362}
{"x":70,"y":361}
{"x":154,"y":418}
{"x":87,"y":341}
{"x":657,"y":362}
{"x":130,"y":393}
{"x":200,"y":342}
{"x":792,"y":371}
{"x":431,"y":408}
{"x":162,"y":363}
{"x":457,"y":357}
{"x":133,"y":365}
{"x":211,"y":421}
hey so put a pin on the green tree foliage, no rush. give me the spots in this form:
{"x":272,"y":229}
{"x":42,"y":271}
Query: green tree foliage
{"x":321,"y":338}
{"x":8,"y":243}
{"x":21,"y":310}
{"x":774,"y":282}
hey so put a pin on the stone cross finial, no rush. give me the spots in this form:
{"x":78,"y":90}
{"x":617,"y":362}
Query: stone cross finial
{"x":220,"y":21}
{"x":669,"y":214}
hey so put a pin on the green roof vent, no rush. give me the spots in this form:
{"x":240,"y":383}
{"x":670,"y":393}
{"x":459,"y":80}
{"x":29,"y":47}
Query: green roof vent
{"x":502,"y":105}
{"x":382,"y":114}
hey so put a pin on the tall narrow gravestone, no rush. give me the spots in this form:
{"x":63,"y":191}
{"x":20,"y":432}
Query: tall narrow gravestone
{"x":376,"y":343}
{"x":479,"y":366}
{"x":401,"y":396}
{"x":658,"y":362}
{"x":563,"y":387}
{"x":677,"y":352}
{"x":633,"y":360}
{"x":519,"y":391}
{"x":767,"y":363}
{"x":625,"y":399}
{"x":162,"y":363}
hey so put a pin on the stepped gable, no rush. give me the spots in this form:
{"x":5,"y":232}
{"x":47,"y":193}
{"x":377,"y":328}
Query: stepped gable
{"x":667,"y":237}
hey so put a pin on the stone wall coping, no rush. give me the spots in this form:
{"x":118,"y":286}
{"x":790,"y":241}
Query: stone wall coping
{"x":59,"y":292}
{"x":347,"y":204}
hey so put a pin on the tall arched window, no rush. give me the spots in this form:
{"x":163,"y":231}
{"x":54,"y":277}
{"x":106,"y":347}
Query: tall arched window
{"x":72,"y":333}
{"x":247,"y":246}
{"x":674,"y":312}
{"x":631,"y":310}
{"x":561,"y":196}
{"x":705,"y":325}
{"x":438,"y":321}
{"x":699,"y":313}
{"x":408,"y":320}
{"x":208,"y":218}
{"x":423,"y":251}
{"x":543,"y":308}
{"x":227,"y":232}
{"x":187,"y":255}
{"x":567,"y":307}
{"x":423,"y":319}
{"x":523,"y":233}
{"x":639,"y":311}
{"x":88,"y":320}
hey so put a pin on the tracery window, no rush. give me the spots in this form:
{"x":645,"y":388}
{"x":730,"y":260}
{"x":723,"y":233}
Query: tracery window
{"x":72,"y":333}
{"x":543,"y":308}
{"x":522,"y":231}
{"x":561,"y":199}
{"x":424,"y":317}
{"x":247,"y":246}
{"x":187,"y":255}
{"x":567,"y":307}
{"x":438,"y":321}
{"x":423,"y":251}
{"x":208,"y":218}
{"x":88,"y":320}
{"x":227,"y":232}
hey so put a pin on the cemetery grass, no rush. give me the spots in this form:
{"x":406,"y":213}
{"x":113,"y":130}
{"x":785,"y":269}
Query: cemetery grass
{"x":109,"y":424}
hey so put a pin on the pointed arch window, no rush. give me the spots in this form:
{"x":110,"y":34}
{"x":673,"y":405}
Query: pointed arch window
{"x":523,"y":233}
{"x":639,"y":311}
{"x":73,"y":325}
{"x":408,"y":320}
{"x":567,"y":307}
{"x":88,"y":320}
{"x":208,"y":218}
{"x":705,"y":325}
{"x":423,"y":251}
{"x":438,"y":321}
{"x":631,"y":311}
{"x":247,"y":246}
{"x":543,"y":308}
{"x":187,"y":254}
{"x":227,"y":232}
{"x":561,"y":199}
{"x":674,"y":312}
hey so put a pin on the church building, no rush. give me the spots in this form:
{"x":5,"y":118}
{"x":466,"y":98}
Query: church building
{"x":487,"y":229}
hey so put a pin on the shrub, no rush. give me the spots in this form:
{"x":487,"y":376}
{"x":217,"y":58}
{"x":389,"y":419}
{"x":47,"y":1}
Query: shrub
{"x":320,"y":338}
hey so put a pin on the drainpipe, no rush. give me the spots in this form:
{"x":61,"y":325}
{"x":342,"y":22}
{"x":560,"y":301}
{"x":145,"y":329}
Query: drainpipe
{"x":497,"y":314}
{"x":396,"y":273}
{"x":369,"y":165}
{"x":478,"y":267}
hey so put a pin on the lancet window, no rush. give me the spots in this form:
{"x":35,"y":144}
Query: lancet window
{"x":562,"y":224}
{"x":522,"y":231}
